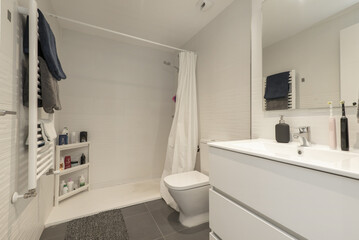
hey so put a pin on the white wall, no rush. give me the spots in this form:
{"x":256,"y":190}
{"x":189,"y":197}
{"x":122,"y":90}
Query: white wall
{"x":315,"y":55}
{"x":263,"y":122}
{"x":25,"y":219}
{"x":121,"y":95}
{"x":223,"y":73}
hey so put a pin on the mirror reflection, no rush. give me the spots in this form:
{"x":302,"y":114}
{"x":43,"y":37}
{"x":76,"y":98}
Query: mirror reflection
{"x":313,"y":56}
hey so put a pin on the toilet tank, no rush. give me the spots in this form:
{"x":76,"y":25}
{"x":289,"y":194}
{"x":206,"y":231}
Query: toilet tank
{"x":203,"y":154}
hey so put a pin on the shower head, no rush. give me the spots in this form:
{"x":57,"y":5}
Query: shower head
{"x":170,"y":64}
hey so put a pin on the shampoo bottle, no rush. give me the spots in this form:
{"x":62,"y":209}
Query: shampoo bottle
{"x":62,"y":185}
{"x":65,"y":189}
{"x":332,"y":128}
{"x":344,"y":129}
{"x":70,"y":185}
{"x":82,"y":181}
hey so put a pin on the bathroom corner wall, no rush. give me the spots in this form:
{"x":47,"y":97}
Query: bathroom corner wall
{"x":121,"y":94}
{"x":223,"y":73}
{"x":263,"y":122}
{"x":26,"y":218}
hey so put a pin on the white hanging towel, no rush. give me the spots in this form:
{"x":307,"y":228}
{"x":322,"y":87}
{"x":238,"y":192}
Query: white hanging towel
{"x":183,"y":138}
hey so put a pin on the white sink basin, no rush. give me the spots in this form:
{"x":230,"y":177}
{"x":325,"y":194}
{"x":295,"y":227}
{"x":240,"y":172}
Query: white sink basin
{"x":317,"y":157}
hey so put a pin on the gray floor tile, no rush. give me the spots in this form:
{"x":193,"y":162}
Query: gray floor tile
{"x":54,"y":238}
{"x":133,"y":210}
{"x":196,"y":233}
{"x":55,"y":232}
{"x":167,"y":220}
{"x":142,"y":227}
{"x":156,"y":205}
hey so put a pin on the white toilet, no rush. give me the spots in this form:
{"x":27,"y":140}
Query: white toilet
{"x":190,"y":191}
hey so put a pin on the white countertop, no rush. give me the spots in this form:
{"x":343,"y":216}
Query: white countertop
{"x":317,"y":157}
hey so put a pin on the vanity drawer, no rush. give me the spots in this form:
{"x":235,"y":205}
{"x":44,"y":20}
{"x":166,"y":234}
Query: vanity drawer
{"x":309,"y":204}
{"x":232,"y":222}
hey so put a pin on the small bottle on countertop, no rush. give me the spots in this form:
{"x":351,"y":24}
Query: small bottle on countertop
{"x":282,"y":133}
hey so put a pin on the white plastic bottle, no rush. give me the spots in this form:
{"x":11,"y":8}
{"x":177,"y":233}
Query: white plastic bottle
{"x":332,"y":128}
{"x":82,"y":181}
{"x":65,"y":189}
{"x":70,"y":185}
{"x":62,"y":184}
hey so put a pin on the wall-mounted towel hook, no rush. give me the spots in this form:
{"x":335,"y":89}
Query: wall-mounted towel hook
{"x":4,"y":112}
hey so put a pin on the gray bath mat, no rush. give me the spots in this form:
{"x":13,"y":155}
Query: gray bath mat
{"x":106,"y":225}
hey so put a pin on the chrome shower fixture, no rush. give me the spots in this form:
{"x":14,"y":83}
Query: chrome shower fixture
{"x":170,"y":64}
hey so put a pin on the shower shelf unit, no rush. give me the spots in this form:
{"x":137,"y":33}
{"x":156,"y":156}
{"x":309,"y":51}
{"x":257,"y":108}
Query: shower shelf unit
{"x":69,"y":149}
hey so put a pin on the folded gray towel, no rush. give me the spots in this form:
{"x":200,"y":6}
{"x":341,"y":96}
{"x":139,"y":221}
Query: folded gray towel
{"x":277,"y":104}
{"x":49,"y":89}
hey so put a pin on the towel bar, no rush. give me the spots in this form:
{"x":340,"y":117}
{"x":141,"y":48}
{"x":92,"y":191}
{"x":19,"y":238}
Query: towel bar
{"x":4,"y":112}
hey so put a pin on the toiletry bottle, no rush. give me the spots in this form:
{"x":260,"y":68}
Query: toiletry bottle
{"x":332,"y":128}
{"x":282,"y":134}
{"x":62,"y":185}
{"x":83,"y":159}
{"x":65,"y":189}
{"x":82,"y":181}
{"x":70,"y":185}
{"x":62,"y":163}
{"x":344,"y":129}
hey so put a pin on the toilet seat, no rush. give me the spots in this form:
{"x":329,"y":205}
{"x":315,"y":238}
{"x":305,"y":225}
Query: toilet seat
{"x":186,"y":180}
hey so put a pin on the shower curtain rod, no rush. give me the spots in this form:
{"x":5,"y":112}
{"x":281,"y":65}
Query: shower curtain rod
{"x":24,"y":11}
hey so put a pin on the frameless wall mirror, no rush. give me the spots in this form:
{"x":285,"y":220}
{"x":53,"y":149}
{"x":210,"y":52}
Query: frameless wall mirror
{"x":310,"y":53}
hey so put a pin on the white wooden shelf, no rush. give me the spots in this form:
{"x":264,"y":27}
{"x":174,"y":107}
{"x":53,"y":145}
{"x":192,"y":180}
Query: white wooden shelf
{"x":74,"y":169}
{"x":74,"y":147}
{"x":74,"y":192}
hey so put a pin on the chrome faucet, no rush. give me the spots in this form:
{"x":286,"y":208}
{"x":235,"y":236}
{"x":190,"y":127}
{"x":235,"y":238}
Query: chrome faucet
{"x":303,"y":136}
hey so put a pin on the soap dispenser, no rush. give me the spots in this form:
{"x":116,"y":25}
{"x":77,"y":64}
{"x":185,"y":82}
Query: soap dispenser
{"x":282,"y":134}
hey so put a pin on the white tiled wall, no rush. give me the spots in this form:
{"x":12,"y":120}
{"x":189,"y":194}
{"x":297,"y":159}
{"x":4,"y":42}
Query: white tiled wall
{"x":263,"y":122}
{"x":25,"y":219}
{"x":223,"y":74}
{"x":121,"y":94}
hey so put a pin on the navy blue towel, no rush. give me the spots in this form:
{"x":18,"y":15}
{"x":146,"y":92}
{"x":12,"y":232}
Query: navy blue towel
{"x":47,"y":47}
{"x":277,"y":86}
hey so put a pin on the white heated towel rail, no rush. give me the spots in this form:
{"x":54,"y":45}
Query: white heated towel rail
{"x":41,"y":152}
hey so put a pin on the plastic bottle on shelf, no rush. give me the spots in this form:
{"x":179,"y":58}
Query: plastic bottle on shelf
{"x":70,"y":185}
{"x":65,"y":189}
{"x":82,"y":181}
{"x":62,"y":186}
{"x":62,"y":163}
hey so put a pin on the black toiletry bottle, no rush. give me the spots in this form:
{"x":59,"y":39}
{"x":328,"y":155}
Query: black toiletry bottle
{"x":282,"y":134}
{"x":83,"y":159}
{"x":344,"y":129}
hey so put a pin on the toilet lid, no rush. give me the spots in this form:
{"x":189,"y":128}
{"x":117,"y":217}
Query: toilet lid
{"x":186,"y":180}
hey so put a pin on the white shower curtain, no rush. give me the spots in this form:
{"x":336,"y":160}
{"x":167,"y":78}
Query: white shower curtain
{"x":183,"y":139}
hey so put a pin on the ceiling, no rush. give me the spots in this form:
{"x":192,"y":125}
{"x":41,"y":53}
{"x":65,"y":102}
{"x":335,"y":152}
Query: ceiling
{"x":171,"y":22}
{"x":285,"y":18}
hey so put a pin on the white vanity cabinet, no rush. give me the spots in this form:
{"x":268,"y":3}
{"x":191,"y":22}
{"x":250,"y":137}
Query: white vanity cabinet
{"x":258,"y":198}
